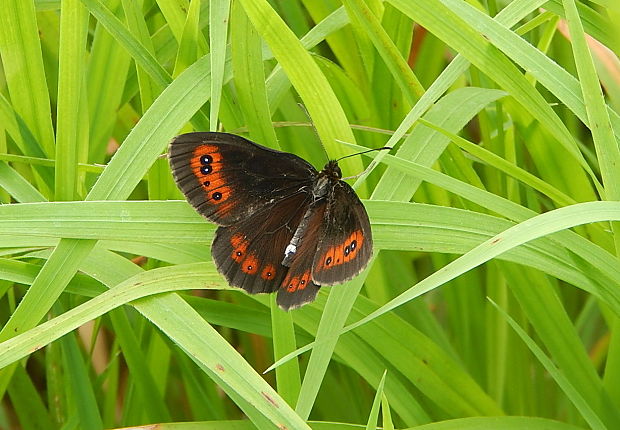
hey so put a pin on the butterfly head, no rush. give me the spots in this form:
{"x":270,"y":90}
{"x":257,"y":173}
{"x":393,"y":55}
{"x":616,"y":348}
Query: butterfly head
{"x":332,"y":170}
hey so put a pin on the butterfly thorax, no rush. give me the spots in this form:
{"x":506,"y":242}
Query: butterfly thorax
{"x":331,"y":173}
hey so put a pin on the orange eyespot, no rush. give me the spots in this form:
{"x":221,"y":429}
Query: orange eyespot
{"x":304,"y":281}
{"x":268,"y":273}
{"x":240,"y":246}
{"x":293,"y":284}
{"x":250,"y":264}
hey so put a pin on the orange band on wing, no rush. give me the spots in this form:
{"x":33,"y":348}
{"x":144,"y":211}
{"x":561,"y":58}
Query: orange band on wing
{"x":342,"y":253}
{"x":206,"y":164}
{"x":294,"y":283}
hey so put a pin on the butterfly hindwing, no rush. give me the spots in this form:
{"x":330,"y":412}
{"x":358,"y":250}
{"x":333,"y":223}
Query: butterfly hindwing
{"x":249,"y":254}
{"x":345,"y":244}
{"x":227,"y":178}
{"x":298,"y":288}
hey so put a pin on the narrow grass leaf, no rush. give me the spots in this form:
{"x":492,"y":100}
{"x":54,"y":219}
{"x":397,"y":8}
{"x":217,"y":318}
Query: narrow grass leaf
{"x":305,"y":76}
{"x":137,"y":51}
{"x":505,"y":166}
{"x":504,"y":423}
{"x":219,"y":12}
{"x":148,"y":89}
{"x":461,"y":35}
{"x":18,"y":187}
{"x":572,"y":392}
{"x":401,"y":72}
{"x":388,"y":424}
{"x":153,"y":405}
{"x":71,"y":71}
{"x":79,"y":386}
{"x":424,"y":146}
{"x":606,"y":146}
{"x":108,"y":66}
{"x":46,"y":288}
{"x":373,"y":418}
{"x":562,"y":84}
{"x":508,"y":16}
{"x":187,"y":53}
{"x":24,"y":71}
{"x":172,"y":109}
{"x":249,"y":78}
{"x":29,"y":406}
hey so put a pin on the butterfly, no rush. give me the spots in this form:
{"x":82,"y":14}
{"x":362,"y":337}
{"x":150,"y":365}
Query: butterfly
{"x":283,"y":225}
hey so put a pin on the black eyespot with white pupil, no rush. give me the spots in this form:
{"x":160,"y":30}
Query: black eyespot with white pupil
{"x":205,"y":169}
{"x":206,"y":159}
{"x":302,"y":282}
{"x":239,"y":253}
{"x":328,"y":261}
{"x":250,"y":267}
{"x":347,"y":250}
{"x":217,"y":195}
{"x":353,"y":245}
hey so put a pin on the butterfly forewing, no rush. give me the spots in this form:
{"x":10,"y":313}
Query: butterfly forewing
{"x":227,"y":178}
{"x":345,"y":243}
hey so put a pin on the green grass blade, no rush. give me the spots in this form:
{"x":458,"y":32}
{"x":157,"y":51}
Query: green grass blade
{"x":304,"y":74}
{"x":78,"y":385}
{"x":374,"y":411}
{"x":598,"y":118}
{"x":44,"y":291}
{"x":401,"y":72}
{"x":444,"y":22}
{"x":219,"y":12}
{"x":563,"y":85}
{"x":586,"y":409}
{"x":148,"y":89}
{"x":424,"y":146}
{"x":504,"y":423}
{"x":248,"y":69}
{"x":108,"y":65}
{"x":73,"y":32}
{"x":29,"y":405}
{"x":23,"y":67}
{"x":187,"y":53}
{"x":173,"y":108}
{"x":153,"y":405}
{"x":18,"y":187}
{"x":505,"y":166}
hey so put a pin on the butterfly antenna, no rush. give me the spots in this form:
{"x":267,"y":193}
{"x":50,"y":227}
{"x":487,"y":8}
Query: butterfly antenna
{"x":364,"y":152}
{"x":370,"y":166}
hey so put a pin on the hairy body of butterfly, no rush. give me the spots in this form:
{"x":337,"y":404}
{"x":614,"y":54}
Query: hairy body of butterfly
{"x":284,"y":226}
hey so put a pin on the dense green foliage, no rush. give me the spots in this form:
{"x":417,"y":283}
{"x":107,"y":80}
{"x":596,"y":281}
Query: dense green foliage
{"x":500,"y":200}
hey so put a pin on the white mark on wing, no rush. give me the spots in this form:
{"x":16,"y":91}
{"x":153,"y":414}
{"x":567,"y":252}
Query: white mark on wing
{"x":290,"y":250}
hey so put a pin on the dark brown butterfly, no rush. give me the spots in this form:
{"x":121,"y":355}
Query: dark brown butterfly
{"x":284,"y":226}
